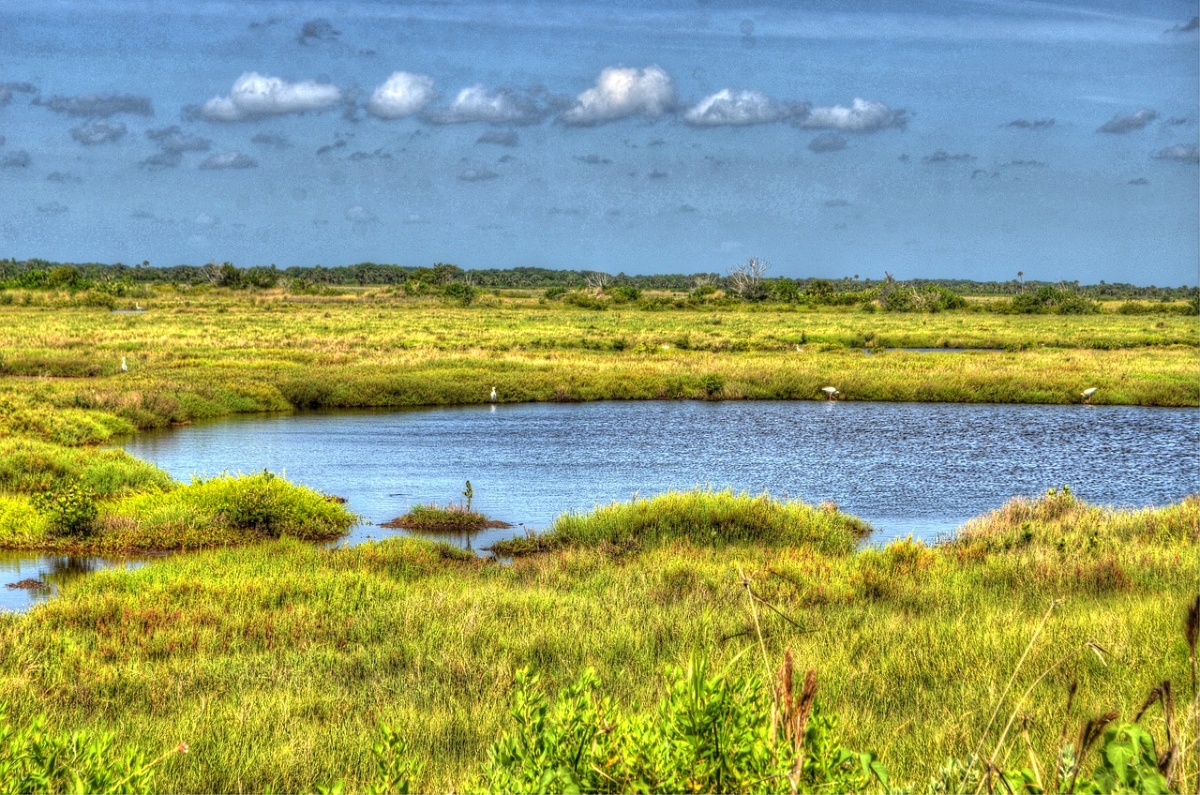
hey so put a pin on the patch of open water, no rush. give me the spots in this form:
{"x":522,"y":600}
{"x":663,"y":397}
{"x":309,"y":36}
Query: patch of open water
{"x":907,"y":468}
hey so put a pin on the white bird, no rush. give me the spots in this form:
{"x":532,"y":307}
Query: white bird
{"x":493,"y":398}
{"x":124,"y":367}
{"x":1087,"y":393}
{"x":830,"y":391}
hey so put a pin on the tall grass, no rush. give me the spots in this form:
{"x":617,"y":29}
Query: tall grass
{"x":277,"y":662}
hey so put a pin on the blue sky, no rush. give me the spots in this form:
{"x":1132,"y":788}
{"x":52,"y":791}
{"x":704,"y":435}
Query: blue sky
{"x":941,"y":139}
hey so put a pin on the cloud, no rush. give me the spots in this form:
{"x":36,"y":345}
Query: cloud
{"x":620,"y":93}
{"x":173,"y":139}
{"x":327,"y":148}
{"x":1134,"y":121}
{"x":686,"y":209}
{"x":837,"y":203}
{"x":271,"y":140}
{"x":656,"y":174}
{"x":478,"y":175}
{"x":8,"y":89}
{"x":53,"y":208}
{"x":1187,"y":27}
{"x":592,"y":160}
{"x":403,"y":94}
{"x":1025,"y":164}
{"x":99,"y":106}
{"x":228,"y":160}
{"x":3,"y":140}
{"x":255,"y":96}
{"x":318,"y":30}
{"x":499,"y":138}
{"x":942,"y":156}
{"x":63,"y":178}
{"x":1176,"y":121}
{"x":378,"y":154}
{"x":360,"y":215}
{"x":827,"y":142}
{"x":730,"y":107}
{"x":17,"y":159}
{"x":163,"y":159}
{"x":474,"y":104}
{"x":99,"y":132}
{"x":1180,"y":153}
{"x":1138,"y":181}
{"x":1031,"y":124}
{"x":863,"y":115}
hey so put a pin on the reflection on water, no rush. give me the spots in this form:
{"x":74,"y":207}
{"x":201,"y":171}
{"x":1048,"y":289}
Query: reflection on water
{"x":19,"y":571}
{"x":907,"y":468}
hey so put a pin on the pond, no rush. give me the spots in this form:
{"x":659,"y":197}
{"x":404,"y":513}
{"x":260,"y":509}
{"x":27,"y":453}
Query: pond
{"x":907,"y":468}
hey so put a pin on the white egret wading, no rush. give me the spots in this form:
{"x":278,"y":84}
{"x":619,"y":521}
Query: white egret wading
{"x":830,"y":391}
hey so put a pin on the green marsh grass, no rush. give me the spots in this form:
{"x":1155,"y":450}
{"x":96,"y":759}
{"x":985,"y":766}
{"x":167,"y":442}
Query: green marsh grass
{"x":703,"y":517}
{"x":277,"y":662}
{"x":439,"y":519}
{"x":220,"y":511}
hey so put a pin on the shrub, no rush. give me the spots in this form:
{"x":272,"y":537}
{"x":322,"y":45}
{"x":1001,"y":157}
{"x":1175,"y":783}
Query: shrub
{"x":70,"y":508}
{"x":1053,"y":299}
{"x":624,"y":293}
{"x":460,"y":292}
{"x":710,"y":734}
{"x":554,"y":293}
{"x":922,"y":298}
{"x":33,"y":759}
{"x":582,"y":299}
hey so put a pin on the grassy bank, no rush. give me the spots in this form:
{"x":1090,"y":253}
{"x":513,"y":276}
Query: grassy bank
{"x":221,"y":511}
{"x":276,"y":663}
{"x":203,"y":354}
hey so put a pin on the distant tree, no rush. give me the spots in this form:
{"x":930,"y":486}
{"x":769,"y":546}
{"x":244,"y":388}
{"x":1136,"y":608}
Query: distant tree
{"x":746,"y":280}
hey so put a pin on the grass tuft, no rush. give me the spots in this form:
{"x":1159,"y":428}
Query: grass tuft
{"x":703,"y":517}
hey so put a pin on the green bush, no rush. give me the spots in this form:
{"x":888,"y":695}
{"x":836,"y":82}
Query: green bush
{"x":624,"y":293}
{"x":710,"y":734}
{"x":922,"y":298}
{"x":33,"y":759}
{"x":460,"y":292}
{"x":584,"y":300}
{"x":1049,"y":299}
{"x":70,"y":508}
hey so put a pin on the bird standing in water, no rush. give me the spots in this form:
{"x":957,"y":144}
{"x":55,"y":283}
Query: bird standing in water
{"x":830,"y":391}
{"x":1087,"y":393}
{"x":493,"y":398}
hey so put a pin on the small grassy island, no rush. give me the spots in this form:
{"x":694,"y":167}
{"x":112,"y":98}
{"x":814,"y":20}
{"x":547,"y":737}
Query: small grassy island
{"x":700,"y":640}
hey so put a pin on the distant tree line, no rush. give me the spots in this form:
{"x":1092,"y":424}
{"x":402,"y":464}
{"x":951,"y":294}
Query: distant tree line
{"x":747,"y":282}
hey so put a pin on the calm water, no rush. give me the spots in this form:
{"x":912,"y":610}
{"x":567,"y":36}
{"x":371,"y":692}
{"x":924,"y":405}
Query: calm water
{"x":905,"y":467}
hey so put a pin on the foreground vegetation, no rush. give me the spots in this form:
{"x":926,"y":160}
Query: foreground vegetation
{"x":277,"y":664}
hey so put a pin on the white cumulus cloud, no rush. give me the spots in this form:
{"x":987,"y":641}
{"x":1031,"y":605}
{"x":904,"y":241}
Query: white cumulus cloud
{"x":620,"y":92}
{"x":474,"y":104}
{"x":254,"y":96}
{"x":728,"y":106}
{"x":402,"y":94}
{"x":863,"y":115}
